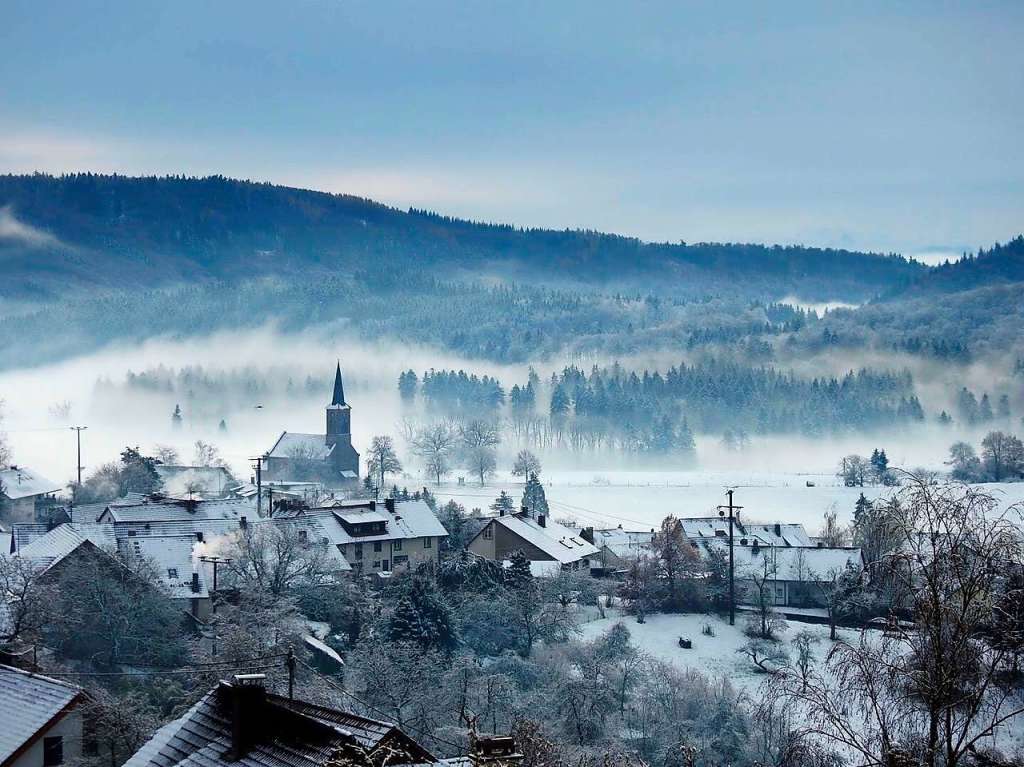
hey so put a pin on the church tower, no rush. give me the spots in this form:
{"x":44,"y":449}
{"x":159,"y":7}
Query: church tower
{"x":344,"y":457}
{"x":339,"y":414}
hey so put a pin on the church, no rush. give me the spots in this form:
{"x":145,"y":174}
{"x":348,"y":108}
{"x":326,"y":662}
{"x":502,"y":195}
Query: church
{"x":328,"y":458}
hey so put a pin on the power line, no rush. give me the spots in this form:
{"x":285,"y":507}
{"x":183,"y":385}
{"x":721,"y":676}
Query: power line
{"x":198,"y":668}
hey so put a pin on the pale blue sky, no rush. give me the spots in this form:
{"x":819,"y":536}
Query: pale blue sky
{"x":888,"y":125}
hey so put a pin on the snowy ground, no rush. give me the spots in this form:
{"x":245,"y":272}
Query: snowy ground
{"x":641,"y":499}
{"x":715,"y":656}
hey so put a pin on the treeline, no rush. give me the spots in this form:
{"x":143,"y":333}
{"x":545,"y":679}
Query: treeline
{"x":129,"y":232}
{"x":627,"y":408}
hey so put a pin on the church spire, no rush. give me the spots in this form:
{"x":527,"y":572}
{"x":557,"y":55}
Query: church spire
{"x":339,"y":389}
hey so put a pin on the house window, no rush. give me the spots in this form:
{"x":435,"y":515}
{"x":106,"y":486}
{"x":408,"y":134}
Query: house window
{"x":401,"y":559}
{"x":428,"y":543}
{"x":396,"y":545}
{"x":172,"y":573}
{"x":489,"y":533}
{"x":53,"y":751}
{"x":376,"y":564}
{"x":359,"y":551}
{"x":376,"y":546}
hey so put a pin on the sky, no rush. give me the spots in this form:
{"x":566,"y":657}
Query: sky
{"x":887,"y":126}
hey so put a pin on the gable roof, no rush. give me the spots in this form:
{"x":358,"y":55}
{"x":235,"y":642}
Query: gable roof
{"x":48,"y":550}
{"x":791,"y":563}
{"x":411,"y":519}
{"x":313,"y":446}
{"x":29,"y":703}
{"x":558,"y":542}
{"x":292,"y":734}
{"x":19,"y":482}
{"x":166,"y":510}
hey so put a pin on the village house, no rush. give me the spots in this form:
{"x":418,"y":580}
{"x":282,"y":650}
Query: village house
{"x":548,"y":546}
{"x":379,"y":536}
{"x":23,"y":494}
{"x":328,"y":457}
{"x":798,"y":576}
{"x":240,"y":722}
{"x":41,"y":723}
{"x":619,"y":548}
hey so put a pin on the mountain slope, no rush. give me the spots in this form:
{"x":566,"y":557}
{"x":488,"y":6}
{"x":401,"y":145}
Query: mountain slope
{"x":92,"y":231}
{"x":1000,"y":265}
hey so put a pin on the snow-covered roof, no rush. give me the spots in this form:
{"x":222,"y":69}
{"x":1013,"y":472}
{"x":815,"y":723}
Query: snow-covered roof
{"x":19,"y":482}
{"x":777,"y":534}
{"x":172,"y":560}
{"x":49,"y":549}
{"x":626,"y":544}
{"x":558,"y":542}
{"x":792,"y":563}
{"x":159,"y":511}
{"x":292,"y":443}
{"x":411,"y":519}
{"x":28,"y":704}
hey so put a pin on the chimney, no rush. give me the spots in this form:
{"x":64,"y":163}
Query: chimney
{"x":247,"y":696}
{"x":373,"y":505}
{"x":199,"y":536}
{"x":587,"y":534}
{"x":542,"y":520}
{"x":195,"y":582}
{"x":778,"y":529}
{"x":389,"y":504}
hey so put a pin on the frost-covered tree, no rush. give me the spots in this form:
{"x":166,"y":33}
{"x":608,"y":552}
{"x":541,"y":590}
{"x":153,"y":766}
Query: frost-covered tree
{"x":526,"y":463}
{"x":422,"y":617}
{"x":381,"y":459}
{"x":534,"y":500}
{"x":503,"y":504}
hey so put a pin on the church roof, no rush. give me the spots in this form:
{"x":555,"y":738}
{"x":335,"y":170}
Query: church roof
{"x":339,"y":388}
{"x":292,"y":444}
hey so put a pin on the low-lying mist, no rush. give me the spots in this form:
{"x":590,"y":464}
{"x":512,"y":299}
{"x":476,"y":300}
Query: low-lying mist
{"x":41,"y":403}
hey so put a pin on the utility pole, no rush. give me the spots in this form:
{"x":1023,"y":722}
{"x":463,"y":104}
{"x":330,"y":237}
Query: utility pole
{"x":78,"y":434}
{"x":259,"y":483}
{"x":215,"y":561}
{"x":734,"y":513}
{"x":291,"y":673}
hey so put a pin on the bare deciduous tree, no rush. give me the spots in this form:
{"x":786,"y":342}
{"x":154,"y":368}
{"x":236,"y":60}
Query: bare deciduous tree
{"x":933,"y":689}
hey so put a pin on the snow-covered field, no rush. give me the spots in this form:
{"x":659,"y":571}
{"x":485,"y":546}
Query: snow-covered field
{"x":641,"y":499}
{"x":715,"y":656}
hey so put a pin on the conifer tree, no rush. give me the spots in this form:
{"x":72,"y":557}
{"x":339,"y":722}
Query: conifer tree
{"x":518,"y":576}
{"x":534,"y":500}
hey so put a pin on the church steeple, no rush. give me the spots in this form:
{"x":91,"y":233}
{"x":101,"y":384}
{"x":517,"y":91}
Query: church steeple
{"x":339,"y":388}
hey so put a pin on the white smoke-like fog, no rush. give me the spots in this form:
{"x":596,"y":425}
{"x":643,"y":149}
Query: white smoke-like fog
{"x":41,"y":403}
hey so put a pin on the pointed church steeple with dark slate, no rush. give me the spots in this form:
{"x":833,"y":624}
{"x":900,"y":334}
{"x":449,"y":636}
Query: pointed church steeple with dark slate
{"x":339,"y":429}
{"x":327,"y":457}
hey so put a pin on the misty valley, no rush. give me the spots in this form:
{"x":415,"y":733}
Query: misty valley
{"x":280,"y":466}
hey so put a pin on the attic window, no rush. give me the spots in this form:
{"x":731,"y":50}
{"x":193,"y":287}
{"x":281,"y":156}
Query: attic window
{"x":172,"y":573}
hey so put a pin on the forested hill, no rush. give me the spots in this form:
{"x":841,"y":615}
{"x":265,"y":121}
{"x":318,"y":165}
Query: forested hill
{"x":998,"y":265}
{"x":86,"y":230}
